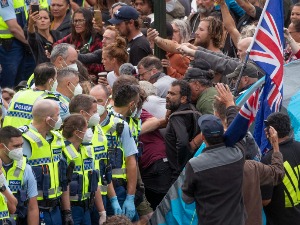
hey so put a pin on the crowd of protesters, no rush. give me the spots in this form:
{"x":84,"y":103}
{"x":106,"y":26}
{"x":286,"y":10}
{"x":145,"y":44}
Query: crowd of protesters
{"x":95,"y":129}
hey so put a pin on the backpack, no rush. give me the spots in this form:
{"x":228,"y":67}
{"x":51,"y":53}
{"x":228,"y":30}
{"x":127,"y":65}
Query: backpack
{"x":196,"y":116}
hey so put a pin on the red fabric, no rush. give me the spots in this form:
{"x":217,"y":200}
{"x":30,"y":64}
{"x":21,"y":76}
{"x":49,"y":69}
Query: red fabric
{"x":96,"y":44}
{"x":297,"y":54}
{"x":154,"y":145}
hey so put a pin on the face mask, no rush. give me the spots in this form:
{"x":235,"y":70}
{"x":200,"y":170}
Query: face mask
{"x":73,"y":66}
{"x":88,"y":136}
{"x":133,"y":114}
{"x":77,"y":89}
{"x":100,"y":109}
{"x":138,"y":114}
{"x":15,"y":154}
{"x":94,"y":120}
{"x":57,"y":124}
{"x":170,"y":6}
{"x":54,"y":86}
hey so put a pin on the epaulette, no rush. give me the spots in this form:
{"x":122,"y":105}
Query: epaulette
{"x":58,"y":134}
{"x":23,"y":129}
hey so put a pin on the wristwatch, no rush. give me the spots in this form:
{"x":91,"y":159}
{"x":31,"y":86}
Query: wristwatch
{"x":3,"y":188}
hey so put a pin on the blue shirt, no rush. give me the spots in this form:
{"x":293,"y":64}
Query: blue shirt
{"x":7,"y":11}
{"x":127,"y":141}
{"x":29,"y":181}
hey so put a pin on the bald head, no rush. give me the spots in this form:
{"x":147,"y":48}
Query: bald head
{"x":101,"y":93}
{"x":242,"y":47}
{"x":44,"y":108}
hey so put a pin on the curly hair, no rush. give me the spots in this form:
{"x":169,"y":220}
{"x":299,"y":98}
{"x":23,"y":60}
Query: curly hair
{"x":185,"y":89}
{"x":215,"y":30}
{"x":117,"y":50}
{"x":281,"y":123}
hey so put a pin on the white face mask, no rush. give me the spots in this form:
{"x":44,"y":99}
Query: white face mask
{"x":54,"y":86}
{"x":100,"y":109}
{"x":77,"y":89}
{"x":170,"y":5}
{"x":15,"y":154}
{"x":57,"y":124}
{"x":73,"y":66}
{"x":88,"y":136}
{"x":94,"y":120}
{"x":138,"y":114}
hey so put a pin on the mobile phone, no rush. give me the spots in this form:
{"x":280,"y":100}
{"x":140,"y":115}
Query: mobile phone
{"x":147,"y":22}
{"x":35,"y":8}
{"x":267,"y":125}
{"x":102,"y":74}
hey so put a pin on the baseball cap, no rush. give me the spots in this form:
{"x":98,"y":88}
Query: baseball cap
{"x":210,"y":126}
{"x":250,"y":70}
{"x":125,"y":13}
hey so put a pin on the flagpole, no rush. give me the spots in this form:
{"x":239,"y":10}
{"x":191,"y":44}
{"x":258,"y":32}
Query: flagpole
{"x":249,"y":49}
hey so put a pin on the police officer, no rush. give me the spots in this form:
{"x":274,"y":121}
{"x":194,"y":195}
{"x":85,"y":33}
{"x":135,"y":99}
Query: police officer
{"x":19,"y":111}
{"x":122,"y":149}
{"x":84,"y":189}
{"x":19,"y":176}
{"x":8,"y":202}
{"x":12,"y":40}
{"x":43,"y":149}
{"x":62,"y":55}
{"x":87,"y":106}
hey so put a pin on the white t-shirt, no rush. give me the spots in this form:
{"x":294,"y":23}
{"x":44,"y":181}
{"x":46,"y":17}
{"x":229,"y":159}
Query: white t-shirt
{"x":111,"y":78}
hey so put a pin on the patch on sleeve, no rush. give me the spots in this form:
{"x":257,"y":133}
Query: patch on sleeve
{"x":23,"y":129}
{"x":4,"y":3}
{"x":64,"y":107}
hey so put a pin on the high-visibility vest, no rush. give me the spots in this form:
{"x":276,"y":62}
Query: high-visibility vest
{"x":19,"y":6}
{"x":99,"y":142}
{"x":115,"y":150}
{"x":44,"y":162}
{"x":84,"y":165}
{"x":19,"y":112}
{"x":4,"y":214}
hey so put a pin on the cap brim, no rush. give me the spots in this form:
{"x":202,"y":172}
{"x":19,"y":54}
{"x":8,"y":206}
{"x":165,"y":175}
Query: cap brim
{"x":114,"y":20}
{"x":202,"y":118}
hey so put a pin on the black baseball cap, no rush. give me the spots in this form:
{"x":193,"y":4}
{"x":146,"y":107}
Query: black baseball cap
{"x":125,"y":13}
{"x":210,"y":125}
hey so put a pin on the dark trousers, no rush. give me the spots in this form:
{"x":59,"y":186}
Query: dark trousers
{"x":156,"y":178}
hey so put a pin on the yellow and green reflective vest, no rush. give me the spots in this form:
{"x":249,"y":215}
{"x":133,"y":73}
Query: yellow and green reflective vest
{"x":44,"y":162}
{"x":19,"y":6}
{"x":19,"y":112}
{"x":84,"y":165}
{"x":115,"y":150}
{"x":99,"y":142}
{"x":4,"y":214}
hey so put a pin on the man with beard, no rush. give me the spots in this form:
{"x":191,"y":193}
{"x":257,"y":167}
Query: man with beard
{"x":126,"y":20}
{"x":181,"y":142}
{"x":209,"y":34}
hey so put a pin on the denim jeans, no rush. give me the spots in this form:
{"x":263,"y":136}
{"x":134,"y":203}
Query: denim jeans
{"x":121,"y":195}
{"x":81,"y":216}
{"x":11,"y":61}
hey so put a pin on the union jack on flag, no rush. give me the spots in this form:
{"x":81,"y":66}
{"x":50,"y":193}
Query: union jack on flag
{"x":266,"y":50}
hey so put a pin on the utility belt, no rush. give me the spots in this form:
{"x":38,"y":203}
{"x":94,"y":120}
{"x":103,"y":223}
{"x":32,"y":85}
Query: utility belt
{"x":118,"y":182}
{"x":49,"y":204}
{"x":85,"y":204}
{"x":6,"y":43}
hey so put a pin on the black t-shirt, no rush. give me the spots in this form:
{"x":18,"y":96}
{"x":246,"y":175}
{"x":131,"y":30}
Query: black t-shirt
{"x":138,"y":48}
{"x":284,"y":208}
{"x":247,"y":20}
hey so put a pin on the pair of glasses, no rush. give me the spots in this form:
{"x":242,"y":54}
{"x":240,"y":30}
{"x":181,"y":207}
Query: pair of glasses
{"x":80,"y":22}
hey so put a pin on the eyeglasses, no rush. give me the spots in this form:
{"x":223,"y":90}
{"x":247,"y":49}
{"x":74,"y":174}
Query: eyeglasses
{"x":142,"y":74}
{"x":80,"y":22}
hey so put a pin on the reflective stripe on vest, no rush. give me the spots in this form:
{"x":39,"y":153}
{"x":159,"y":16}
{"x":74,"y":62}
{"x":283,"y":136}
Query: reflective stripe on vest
{"x":81,"y":168}
{"x":119,"y":171}
{"x":291,"y":183}
{"x":46,"y":155}
{"x":3,"y":208}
